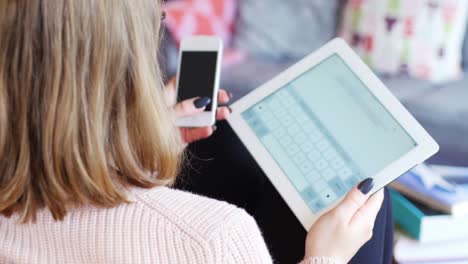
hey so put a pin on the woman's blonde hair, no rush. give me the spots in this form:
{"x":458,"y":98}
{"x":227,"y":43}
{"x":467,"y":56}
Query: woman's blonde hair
{"x":82,"y":111}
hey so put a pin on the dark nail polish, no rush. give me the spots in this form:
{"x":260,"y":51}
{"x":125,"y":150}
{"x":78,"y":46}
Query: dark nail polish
{"x":202,"y":102}
{"x":366,"y":185}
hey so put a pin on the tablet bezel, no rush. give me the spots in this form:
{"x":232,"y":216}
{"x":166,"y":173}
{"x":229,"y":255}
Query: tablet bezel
{"x":426,"y":145}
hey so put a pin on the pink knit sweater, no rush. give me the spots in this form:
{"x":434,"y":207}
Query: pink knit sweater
{"x":160,"y":225}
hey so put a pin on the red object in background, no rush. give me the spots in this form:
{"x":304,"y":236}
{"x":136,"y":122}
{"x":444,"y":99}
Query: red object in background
{"x":448,"y":12}
{"x":201,"y":17}
{"x":369,"y":43}
{"x":409,"y":27}
{"x":356,"y":4}
{"x":204,"y":17}
{"x":423,"y":71}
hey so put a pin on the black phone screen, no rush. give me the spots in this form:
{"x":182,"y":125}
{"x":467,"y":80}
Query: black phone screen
{"x":197,"y":75}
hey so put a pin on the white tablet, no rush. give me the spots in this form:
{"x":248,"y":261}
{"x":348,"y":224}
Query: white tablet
{"x":325,"y":124}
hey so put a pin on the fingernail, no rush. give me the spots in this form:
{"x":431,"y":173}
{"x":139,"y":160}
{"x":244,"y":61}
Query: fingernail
{"x":366,"y":185}
{"x":230,"y":109}
{"x":214,"y":128}
{"x":202,"y":102}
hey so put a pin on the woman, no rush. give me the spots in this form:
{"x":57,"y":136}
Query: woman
{"x":88,"y":142}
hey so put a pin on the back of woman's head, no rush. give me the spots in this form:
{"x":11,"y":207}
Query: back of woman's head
{"x":82,"y":114}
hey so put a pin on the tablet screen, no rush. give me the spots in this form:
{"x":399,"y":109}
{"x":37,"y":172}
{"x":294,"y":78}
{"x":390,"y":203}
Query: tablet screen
{"x":327,"y":132}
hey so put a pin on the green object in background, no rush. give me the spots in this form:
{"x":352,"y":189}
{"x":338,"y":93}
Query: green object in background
{"x":356,"y":18}
{"x":405,"y":52}
{"x":406,"y":214}
{"x":394,"y":5}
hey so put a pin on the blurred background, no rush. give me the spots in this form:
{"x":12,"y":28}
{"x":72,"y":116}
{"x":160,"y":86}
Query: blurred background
{"x":419,"y":49}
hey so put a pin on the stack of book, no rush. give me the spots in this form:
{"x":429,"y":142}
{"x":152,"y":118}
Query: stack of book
{"x":430,"y":205}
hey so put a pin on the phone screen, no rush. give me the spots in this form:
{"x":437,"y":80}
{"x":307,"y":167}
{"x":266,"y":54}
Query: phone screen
{"x":197,"y":75}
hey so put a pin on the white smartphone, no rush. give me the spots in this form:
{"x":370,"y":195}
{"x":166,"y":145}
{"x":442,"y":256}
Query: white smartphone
{"x":198,"y":75}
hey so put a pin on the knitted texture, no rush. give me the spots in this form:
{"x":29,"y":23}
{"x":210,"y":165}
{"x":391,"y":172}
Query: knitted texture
{"x":320,"y":260}
{"x":159,"y":225}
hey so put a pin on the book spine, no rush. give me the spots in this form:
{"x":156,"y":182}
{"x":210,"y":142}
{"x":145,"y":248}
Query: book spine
{"x":406,"y":215}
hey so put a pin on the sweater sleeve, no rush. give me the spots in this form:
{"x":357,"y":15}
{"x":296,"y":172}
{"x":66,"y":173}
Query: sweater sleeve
{"x":240,"y":241}
{"x":319,"y":260}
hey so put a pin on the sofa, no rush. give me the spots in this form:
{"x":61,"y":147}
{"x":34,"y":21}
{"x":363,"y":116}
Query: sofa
{"x":441,"y":108}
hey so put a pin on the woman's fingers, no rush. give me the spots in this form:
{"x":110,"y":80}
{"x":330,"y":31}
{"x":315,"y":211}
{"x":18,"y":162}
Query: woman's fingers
{"x":191,"y":106}
{"x":368,"y":212}
{"x":354,"y":200}
{"x":222,"y":113}
{"x":224,"y":97}
{"x":194,"y":134}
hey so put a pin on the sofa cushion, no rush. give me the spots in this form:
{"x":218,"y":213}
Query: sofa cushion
{"x":242,"y":78}
{"x":443,"y":111}
{"x":279,"y":29}
{"x":422,"y":39}
{"x":201,"y":17}
{"x":465,"y":52}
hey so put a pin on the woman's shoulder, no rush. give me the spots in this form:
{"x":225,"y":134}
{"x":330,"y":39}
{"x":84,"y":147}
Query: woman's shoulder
{"x":201,"y":214}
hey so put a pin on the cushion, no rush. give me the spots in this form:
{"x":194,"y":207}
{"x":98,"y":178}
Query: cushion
{"x":465,"y":52}
{"x":201,"y":17}
{"x":419,"y":38}
{"x":284,"y":29}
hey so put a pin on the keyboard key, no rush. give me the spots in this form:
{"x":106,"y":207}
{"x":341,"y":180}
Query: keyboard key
{"x":259,"y":127}
{"x":273,"y":103}
{"x":296,"y":111}
{"x":345,"y":172}
{"x":321,"y":164}
{"x":273,"y":124}
{"x":262,"y":131}
{"x":315,"y":136}
{"x":309,"y":194}
{"x":319,"y":184}
{"x":287,"y":100}
{"x":300,"y":138}
{"x":248,"y":115}
{"x":279,"y":112}
{"x":329,"y":154}
{"x":300,"y":116}
{"x":293,"y":130}
{"x":308,"y":147}
{"x":309,"y":127}
{"x":287,"y":120}
{"x":317,"y":205}
{"x":268,"y":117}
{"x":322,"y":145}
{"x":279,"y":133}
{"x":285,"y":140}
{"x":352,"y":181}
{"x":299,"y":158}
{"x":292,"y":149}
{"x":306,"y":167}
{"x":338,"y":186}
{"x":313,"y":176}
{"x":282,"y":94}
{"x":314,"y":155}
{"x":328,"y":195}
{"x":261,"y":108}
{"x":328,"y":174}
{"x":337,"y":163}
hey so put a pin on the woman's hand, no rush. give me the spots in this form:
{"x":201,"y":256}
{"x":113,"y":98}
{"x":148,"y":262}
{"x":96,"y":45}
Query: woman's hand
{"x":340,"y":232}
{"x":194,"y":106}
